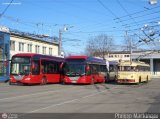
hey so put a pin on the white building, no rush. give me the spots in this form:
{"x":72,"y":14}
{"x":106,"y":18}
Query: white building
{"x":21,"y":42}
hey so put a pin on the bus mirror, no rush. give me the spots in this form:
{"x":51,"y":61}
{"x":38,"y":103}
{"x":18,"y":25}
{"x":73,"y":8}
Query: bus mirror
{"x":33,"y":66}
{"x":61,"y":66}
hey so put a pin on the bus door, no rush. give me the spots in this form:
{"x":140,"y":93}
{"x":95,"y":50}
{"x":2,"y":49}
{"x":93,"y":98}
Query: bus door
{"x":50,"y":70}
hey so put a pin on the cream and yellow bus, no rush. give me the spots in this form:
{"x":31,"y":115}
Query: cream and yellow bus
{"x":133,"y":72}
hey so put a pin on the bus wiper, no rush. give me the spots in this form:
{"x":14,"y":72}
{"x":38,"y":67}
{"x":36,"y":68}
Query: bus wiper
{"x":69,"y":73}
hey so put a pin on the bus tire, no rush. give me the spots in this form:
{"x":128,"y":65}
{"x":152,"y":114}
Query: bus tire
{"x":139,"y":79}
{"x":147,"y":79}
{"x":43,"y":81}
{"x":10,"y":83}
{"x":63,"y":83}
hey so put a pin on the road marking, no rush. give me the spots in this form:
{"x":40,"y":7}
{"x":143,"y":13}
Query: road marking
{"x":33,"y":94}
{"x":69,"y":101}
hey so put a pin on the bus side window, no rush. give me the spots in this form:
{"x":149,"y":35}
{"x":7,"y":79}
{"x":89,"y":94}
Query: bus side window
{"x":44,"y":67}
{"x":36,"y":69}
{"x":94,"y":70}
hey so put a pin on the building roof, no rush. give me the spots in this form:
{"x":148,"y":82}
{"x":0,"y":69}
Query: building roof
{"x":42,"y":38}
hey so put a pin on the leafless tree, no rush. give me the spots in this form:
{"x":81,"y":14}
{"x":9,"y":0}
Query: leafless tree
{"x":99,"y":45}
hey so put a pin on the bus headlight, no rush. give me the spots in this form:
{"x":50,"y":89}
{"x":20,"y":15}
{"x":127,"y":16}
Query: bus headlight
{"x":27,"y":78}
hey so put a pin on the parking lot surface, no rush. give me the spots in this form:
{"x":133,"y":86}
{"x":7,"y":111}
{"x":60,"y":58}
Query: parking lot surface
{"x":97,"y":98}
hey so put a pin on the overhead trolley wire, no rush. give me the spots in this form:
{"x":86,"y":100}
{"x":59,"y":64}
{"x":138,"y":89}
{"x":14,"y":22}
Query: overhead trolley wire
{"x":6,"y":9}
{"x":135,"y":13}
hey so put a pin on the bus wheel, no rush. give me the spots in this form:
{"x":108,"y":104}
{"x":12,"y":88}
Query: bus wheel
{"x":10,"y":83}
{"x":139,"y":79}
{"x":147,"y":79}
{"x":43,"y":81}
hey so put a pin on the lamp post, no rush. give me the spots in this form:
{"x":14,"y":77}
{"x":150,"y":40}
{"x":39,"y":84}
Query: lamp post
{"x":153,"y":2}
{"x":65,"y":28}
{"x":60,"y":42}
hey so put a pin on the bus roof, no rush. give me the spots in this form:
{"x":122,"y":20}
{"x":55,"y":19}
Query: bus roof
{"x":34,"y":55}
{"x":113,"y":62}
{"x":88,"y":59}
{"x":133,"y":63}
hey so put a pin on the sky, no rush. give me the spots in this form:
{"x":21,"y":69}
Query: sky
{"x":83,"y":18}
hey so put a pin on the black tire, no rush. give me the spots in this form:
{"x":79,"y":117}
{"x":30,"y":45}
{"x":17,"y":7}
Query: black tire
{"x":10,"y":83}
{"x":147,"y":79}
{"x":139,"y":79}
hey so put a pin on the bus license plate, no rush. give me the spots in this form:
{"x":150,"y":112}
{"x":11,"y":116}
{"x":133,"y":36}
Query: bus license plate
{"x":74,"y":81}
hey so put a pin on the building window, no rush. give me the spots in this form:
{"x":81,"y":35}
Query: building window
{"x":21,"y":46}
{"x":37,"y":48}
{"x":50,"y":51}
{"x":12,"y":45}
{"x":126,"y":55}
{"x":110,"y":55}
{"x":44,"y":50}
{"x":29,"y":48}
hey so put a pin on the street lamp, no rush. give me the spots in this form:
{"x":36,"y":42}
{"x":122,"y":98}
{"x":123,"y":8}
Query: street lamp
{"x":65,"y":28}
{"x":153,"y":2}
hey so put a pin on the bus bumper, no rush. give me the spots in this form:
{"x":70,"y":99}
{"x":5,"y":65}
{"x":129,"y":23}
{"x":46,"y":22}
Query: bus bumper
{"x":25,"y":80}
{"x":79,"y":80}
{"x":126,"y":81}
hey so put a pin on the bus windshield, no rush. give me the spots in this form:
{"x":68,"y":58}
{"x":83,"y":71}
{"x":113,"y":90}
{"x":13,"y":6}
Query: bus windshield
{"x":20,"y":66}
{"x":75,"y":68}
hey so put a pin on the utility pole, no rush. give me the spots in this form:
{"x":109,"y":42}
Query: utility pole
{"x":130,"y":45}
{"x":65,"y":28}
{"x":130,"y":39}
{"x":60,"y":42}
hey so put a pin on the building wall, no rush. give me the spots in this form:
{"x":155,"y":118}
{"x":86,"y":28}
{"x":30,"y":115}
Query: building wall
{"x":25,"y":41}
{"x":118,"y":57}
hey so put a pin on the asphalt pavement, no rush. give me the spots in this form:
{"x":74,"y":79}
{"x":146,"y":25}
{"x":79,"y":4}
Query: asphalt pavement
{"x":97,"y":98}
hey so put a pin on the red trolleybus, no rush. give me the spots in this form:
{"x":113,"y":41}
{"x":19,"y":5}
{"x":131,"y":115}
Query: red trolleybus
{"x":84,"y":70}
{"x":28,"y":68}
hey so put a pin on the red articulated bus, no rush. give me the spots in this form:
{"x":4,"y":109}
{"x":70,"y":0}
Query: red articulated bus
{"x":84,"y":70}
{"x":30,"y":68}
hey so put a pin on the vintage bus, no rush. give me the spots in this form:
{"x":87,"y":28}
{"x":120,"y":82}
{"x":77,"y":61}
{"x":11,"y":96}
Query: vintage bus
{"x":113,"y":71}
{"x":30,"y":68}
{"x":84,"y":70}
{"x":133,"y":72}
